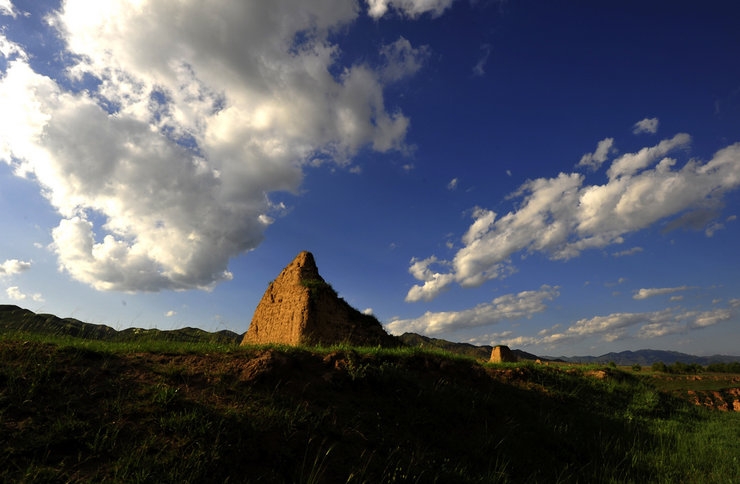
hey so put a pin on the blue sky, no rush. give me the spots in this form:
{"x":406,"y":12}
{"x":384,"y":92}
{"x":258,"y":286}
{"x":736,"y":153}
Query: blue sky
{"x":562,"y":178}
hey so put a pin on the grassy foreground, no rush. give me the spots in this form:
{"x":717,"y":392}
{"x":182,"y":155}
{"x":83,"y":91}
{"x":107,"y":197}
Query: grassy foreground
{"x":74,"y":410}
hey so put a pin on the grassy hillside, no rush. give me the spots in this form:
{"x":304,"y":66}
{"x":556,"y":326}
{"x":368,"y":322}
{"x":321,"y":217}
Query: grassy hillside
{"x":77,"y":410}
{"x":14,"y":319}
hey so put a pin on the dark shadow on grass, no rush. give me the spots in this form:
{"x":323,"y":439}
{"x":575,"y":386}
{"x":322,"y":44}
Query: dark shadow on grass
{"x":269,"y":415}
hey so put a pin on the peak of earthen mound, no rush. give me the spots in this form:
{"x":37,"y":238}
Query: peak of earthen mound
{"x":300,"y":308}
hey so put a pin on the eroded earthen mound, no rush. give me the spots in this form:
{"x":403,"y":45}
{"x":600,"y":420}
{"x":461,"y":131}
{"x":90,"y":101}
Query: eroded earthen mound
{"x":300,"y":308}
{"x":502,"y":354}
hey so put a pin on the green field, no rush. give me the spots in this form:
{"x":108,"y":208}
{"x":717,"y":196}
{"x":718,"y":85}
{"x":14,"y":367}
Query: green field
{"x":79,"y":410}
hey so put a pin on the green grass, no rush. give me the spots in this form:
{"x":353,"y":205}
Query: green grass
{"x":701,"y":450}
{"x":700,"y":382}
{"x":142,"y":344}
{"x":74,"y":410}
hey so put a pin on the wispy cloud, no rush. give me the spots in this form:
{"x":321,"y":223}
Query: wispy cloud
{"x":479,"y":69}
{"x":509,"y":307}
{"x":594,"y":160}
{"x":402,"y":59}
{"x":619,"y":281}
{"x":631,"y":164}
{"x":628,"y":252}
{"x":563,"y":216}
{"x":658,"y":291}
{"x":409,"y":8}
{"x":710,"y":318}
{"x":647,"y":125}
{"x":620,"y":326}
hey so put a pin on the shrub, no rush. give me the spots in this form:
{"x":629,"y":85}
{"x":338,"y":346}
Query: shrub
{"x":732,"y":367}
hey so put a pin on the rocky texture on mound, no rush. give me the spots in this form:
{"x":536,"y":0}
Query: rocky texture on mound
{"x":300,"y":308}
{"x":723,"y":400}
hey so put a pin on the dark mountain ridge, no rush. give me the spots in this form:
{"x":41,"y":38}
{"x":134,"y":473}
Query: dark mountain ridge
{"x":14,"y":319}
{"x":17,"y":319}
{"x":648,"y":357}
{"x":480,"y":352}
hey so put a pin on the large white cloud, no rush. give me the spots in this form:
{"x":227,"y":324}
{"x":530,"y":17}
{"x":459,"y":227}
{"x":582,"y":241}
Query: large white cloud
{"x":192,"y":114}
{"x":562,"y":216}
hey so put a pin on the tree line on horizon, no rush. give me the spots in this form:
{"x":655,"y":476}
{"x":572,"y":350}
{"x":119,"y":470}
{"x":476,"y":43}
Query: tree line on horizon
{"x":693,"y":368}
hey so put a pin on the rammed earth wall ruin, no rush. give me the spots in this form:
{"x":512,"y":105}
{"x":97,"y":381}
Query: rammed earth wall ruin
{"x":300,"y":308}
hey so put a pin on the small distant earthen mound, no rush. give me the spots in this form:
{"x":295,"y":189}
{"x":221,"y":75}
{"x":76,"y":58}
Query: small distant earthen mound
{"x":502,"y":354}
{"x":300,"y":308}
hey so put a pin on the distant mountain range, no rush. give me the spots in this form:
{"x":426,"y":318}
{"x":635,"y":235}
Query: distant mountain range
{"x":623,"y":358}
{"x":647,"y":357}
{"x":14,"y":319}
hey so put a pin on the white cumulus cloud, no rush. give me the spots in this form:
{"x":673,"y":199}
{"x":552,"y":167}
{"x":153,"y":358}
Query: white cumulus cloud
{"x":434,"y":282}
{"x":161,"y":169}
{"x":621,"y":326}
{"x":563,"y":216}
{"x":13,"y":266}
{"x":16,"y":294}
{"x":508,"y":307}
